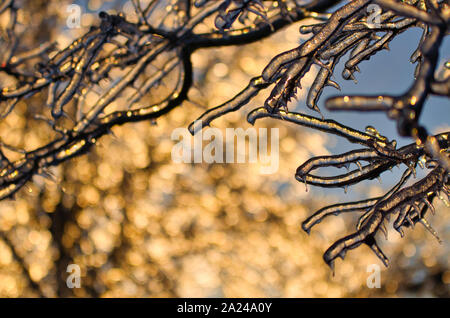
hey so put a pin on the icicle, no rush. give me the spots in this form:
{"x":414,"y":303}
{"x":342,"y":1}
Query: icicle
{"x":379,"y":253}
{"x":384,"y":230}
{"x":359,"y":165}
{"x":430,"y":206}
{"x":433,"y":232}
{"x":441,"y":197}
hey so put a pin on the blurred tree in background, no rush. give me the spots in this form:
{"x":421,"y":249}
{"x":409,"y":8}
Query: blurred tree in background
{"x":81,"y":187}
